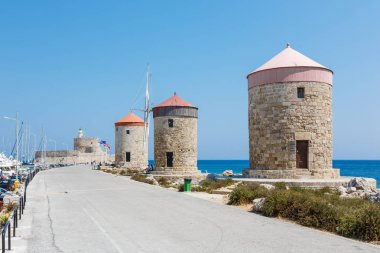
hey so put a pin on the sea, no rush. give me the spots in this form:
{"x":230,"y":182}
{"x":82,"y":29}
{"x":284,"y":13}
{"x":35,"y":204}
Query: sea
{"x":356,"y":168}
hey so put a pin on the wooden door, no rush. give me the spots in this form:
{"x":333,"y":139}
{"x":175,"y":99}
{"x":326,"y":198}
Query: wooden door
{"x":127,"y":156}
{"x":302,"y":154}
{"x":169,"y":159}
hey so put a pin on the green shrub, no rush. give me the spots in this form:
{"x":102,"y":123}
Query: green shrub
{"x":208,"y":185}
{"x":323,"y":209}
{"x":181,"y":187}
{"x":142,"y":178}
{"x":280,"y":185}
{"x":244,"y":194}
{"x":9,"y":207}
{"x":164,"y":182}
{"x":3,"y":219}
{"x":363,"y":223}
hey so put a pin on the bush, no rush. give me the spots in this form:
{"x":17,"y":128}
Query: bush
{"x":3,"y":219}
{"x":280,"y":185}
{"x":323,"y":209}
{"x":9,"y":207}
{"x":363,"y":223}
{"x":244,"y":194}
{"x":142,"y":178}
{"x":164,"y":182}
{"x":208,"y":185}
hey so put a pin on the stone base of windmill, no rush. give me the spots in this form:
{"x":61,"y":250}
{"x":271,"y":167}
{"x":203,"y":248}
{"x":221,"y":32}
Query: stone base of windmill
{"x":179,"y":173}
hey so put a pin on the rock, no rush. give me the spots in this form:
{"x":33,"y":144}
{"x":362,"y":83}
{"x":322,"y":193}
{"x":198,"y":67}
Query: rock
{"x":342,"y":190}
{"x":361,"y":184}
{"x":258,"y":204}
{"x":268,"y":186}
{"x":212,"y":176}
{"x":228,"y":173}
{"x":351,"y":189}
{"x":375,"y":197}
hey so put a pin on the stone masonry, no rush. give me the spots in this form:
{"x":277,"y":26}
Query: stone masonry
{"x":131,"y":139}
{"x":181,"y":140}
{"x":175,"y":138}
{"x":277,"y":118}
{"x":290,"y":119}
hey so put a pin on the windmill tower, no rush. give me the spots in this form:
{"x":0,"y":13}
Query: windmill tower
{"x":131,"y":136}
{"x":131,"y":149}
{"x":175,"y":137}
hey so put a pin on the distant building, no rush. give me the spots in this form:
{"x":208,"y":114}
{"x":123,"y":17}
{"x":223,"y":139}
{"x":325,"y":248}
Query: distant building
{"x":290,"y":118}
{"x":131,"y":147}
{"x":85,"y":151}
{"x":175,"y":137}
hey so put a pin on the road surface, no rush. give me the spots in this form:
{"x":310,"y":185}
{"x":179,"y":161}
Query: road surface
{"x":76,"y":209}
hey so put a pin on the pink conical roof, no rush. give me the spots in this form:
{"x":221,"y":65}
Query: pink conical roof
{"x":130,"y":119}
{"x":289,"y":58}
{"x":174,"y":101}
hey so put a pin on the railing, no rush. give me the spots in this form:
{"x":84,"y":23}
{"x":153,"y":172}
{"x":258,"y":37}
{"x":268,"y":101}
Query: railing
{"x":16,"y":216}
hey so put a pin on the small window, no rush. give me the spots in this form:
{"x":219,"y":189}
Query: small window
{"x":301,"y":92}
{"x":171,"y":122}
{"x":117,"y":129}
{"x":127,"y":131}
{"x":128,"y":156}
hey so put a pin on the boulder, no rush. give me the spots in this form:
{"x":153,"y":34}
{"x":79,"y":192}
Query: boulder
{"x":258,"y":204}
{"x":374,"y":197}
{"x":361,"y":184}
{"x":268,"y":186}
{"x":351,"y":189}
{"x":212,"y":176}
{"x":228,"y":173}
{"x":342,"y":190}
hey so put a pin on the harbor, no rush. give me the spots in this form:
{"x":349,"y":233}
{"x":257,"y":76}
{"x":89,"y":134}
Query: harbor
{"x":210,"y":126}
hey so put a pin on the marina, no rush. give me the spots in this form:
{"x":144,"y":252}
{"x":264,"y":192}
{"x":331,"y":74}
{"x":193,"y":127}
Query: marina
{"x":199,"y":126}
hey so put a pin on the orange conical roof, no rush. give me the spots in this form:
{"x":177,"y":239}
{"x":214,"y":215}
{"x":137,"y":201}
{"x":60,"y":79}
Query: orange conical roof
{"x":174,"y":101}
{"x":289,"y":58}
{"x":130,"y":119}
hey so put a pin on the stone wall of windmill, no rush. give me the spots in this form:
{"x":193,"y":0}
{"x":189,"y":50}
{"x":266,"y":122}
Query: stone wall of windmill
{"x":131,"y":147}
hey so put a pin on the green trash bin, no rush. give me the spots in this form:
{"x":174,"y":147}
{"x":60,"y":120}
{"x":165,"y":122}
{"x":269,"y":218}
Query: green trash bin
{"x":187,"y":185}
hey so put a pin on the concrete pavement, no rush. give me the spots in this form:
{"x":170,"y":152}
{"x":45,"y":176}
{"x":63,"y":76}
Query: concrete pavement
{"x":76,"y":209}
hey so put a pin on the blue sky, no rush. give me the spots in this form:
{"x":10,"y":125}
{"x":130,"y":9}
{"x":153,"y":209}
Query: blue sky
{"x":70,"y":64}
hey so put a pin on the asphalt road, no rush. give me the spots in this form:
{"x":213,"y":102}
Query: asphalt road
{"x":76,"y":209}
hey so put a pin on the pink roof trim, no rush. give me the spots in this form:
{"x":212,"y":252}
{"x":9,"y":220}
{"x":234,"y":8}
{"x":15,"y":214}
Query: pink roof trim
{"x":174,"y":101}
{"x":288,"y":58}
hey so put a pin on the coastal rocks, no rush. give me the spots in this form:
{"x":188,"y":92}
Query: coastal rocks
{"x":228,"y":173}
{"x":374,"y":197}
{"x":212,"y":177}
{"x":359,"y":188}
{"x":342,"y":190}
{"x":361,"y":184}
{"x":268,"y":186}
{"x":351,"y":190}
{"x":258,"y":204}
